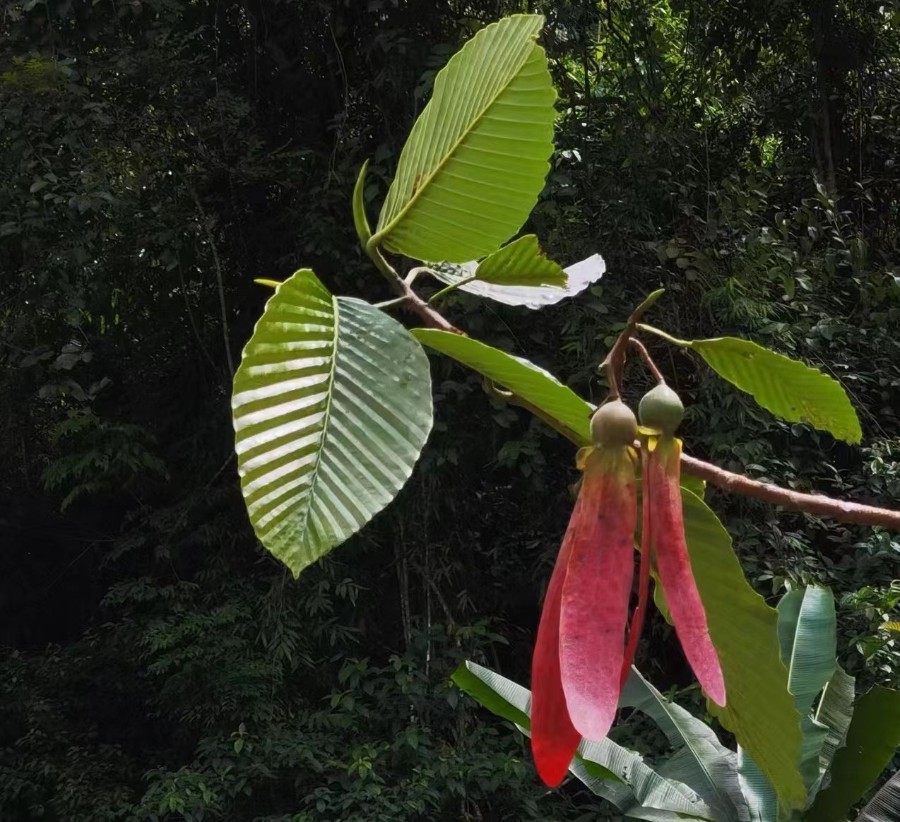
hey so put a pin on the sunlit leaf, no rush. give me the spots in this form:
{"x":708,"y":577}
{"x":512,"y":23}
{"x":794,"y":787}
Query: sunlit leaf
{"x":360,"y":221}
{"x":760,"y":711}
{"x":788,"y":388}
{"x":520,"y":263}
{"x":476,"y":158}
{"x":331,"y":405}
{"x":529,"y":382}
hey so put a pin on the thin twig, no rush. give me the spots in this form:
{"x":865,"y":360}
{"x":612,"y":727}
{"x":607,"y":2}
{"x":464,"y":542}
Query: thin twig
{"x":615,"y":359}
{"x":430,"y":316}
{"x":648,"y":360}
{"x":447,"y":289}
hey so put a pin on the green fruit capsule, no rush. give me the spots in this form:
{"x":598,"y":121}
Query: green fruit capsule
{"x":661,"y":408}
{"x":613,"y":424}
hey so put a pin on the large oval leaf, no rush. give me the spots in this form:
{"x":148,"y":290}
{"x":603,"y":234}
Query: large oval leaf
{"x":476,"y":158}
{"x":788,"y":388}
{"x":760,"y":711}
{"x":543,"y":393}
{"x":332,"y":405}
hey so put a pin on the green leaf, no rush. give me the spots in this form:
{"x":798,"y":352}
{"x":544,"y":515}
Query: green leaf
{"x":360,"y":221}
{"x":578,"y":277}
{"x":501,"y":696}
{"x":331,"y":405}
{"x":694,"y":484}
{"x":835,"y":712}
{"x":807,"y":634}
{"x":541,"y":390}
{"x":508,"y":700}
{"x":642,"y":792}
{"x":476,"y":158}
{"x":872,"y":739}
{"x":788,"y":388}
{"x":699,"y":760}
{"x":610,"y":771}
{"x":521,"y":263}
{"x":762,"y":803}
{"x":885,"y":805}
{"x":760,"y":711}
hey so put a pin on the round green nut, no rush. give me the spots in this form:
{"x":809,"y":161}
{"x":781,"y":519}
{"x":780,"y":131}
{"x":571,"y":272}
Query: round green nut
{"x":613,"y":424}
{"x":661,"y":408}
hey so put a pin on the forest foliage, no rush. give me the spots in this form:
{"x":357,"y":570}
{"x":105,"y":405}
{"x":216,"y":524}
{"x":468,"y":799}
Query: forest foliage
{"x":158,"y":157}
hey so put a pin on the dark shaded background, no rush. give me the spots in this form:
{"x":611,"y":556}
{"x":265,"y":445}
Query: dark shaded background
{"x":157,"y":156}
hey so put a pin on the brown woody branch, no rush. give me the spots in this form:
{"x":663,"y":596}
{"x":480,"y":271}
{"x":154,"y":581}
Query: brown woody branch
{"x":816,"y":504}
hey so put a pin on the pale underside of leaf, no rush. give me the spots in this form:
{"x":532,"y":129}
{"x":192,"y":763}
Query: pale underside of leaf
{"x":807,"y":633}
{"x":699,"y":759}
{"x":331,"y":408}
{"x":477,"y":157}
{"x":610,"y":771}
{"x":885,"y":805}
{"x":579,"y":276}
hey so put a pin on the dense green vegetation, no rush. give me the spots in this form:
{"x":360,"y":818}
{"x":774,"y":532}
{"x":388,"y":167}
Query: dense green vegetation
{"x":157,"y":663}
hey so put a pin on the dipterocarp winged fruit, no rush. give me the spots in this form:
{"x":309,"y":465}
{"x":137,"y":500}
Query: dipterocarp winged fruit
{"x":579,"y":651}
{"x":580,"y":657}
{"x":661,"y":409}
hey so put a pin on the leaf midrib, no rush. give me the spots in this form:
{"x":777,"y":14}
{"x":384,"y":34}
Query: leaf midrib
{"x":725,"y":800}
{"x":329,"y":402}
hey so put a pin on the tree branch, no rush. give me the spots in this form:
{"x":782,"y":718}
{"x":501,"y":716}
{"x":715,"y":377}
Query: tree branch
{"x":817,"y":504}
{"x":408,"y":298}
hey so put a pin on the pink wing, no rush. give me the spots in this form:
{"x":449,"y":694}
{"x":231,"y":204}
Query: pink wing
{"x":596,"y":592}
{"x":663,"y":493}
